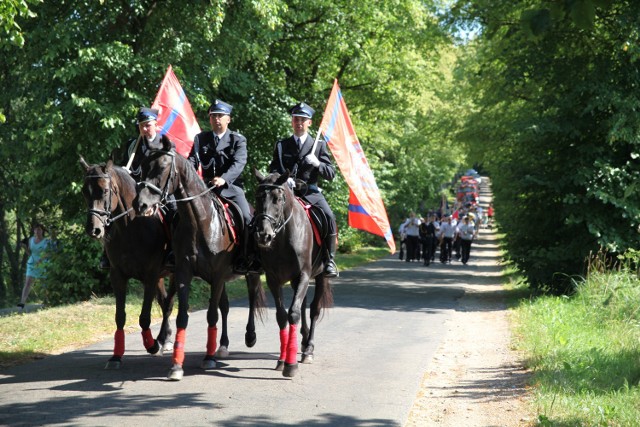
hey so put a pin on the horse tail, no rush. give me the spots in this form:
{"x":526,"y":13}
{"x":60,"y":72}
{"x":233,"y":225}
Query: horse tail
{"x":256,"y":292}
{"x":326,"y":298}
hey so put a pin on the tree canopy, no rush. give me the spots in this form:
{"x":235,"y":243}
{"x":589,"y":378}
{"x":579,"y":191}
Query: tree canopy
{"x":540,"y":94}
{"x":73,"y":85}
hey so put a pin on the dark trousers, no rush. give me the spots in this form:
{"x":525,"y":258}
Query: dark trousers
{"x":466,"y":250}
{"x":445,"y":249}
{"x":413,"y":248}
{"x":428,"y":245}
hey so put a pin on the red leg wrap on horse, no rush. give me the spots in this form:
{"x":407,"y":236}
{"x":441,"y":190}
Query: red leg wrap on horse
{"x":292,"y":347}
{"x":118,"y":343}
{"x":284,"y":340}
{"x":147,"y":339}
{"x":212,"y":340}
{"x":178,"y":347}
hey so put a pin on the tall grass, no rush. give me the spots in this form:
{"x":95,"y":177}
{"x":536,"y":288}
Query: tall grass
{"x":584,"y":350}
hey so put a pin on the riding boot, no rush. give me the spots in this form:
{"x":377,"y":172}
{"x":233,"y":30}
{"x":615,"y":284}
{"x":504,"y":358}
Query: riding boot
{"x":330,"y":267}
{"x":170,"y":220}
{"x":249,"y":262}
{"x":104,"y":261}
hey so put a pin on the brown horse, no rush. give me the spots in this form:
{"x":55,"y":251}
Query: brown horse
{"x":290,"y":254}
{"x":203,"y":243}
{"x":136,"y":248}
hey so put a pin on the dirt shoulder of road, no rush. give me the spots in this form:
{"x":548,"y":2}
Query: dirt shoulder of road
{"x":476,"y":378}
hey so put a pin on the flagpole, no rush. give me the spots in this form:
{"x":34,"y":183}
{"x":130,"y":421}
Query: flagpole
{"x":133,"y":154}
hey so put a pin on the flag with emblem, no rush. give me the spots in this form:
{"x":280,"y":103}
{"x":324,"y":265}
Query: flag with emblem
{"x":366,"y":209}
{"x":176,"y":117}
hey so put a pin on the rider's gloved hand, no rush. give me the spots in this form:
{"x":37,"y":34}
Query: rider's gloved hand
{"x":291,"y":182}
{"x":312,"y":160}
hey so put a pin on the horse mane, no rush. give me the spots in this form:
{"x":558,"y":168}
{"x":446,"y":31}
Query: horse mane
{"x":190,"y":173}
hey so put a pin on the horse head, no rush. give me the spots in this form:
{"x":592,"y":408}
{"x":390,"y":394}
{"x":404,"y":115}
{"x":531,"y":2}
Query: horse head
{"x":273,"y":206}
{"x":101,"y":194}
{"x":158,"y":179}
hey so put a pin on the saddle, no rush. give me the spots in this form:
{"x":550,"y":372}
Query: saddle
{"x":230,"y":213}
{"x":318,"y":219}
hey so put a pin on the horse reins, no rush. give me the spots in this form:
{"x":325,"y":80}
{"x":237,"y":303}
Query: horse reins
{"x":274,"y":221}
{"x":165,"y":192}
{"x":106,"y":213}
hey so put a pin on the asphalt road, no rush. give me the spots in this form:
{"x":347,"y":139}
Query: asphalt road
{"x":372,"y":350}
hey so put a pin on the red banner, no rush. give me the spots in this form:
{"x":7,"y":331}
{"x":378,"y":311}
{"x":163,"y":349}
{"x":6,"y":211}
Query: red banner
{"x":176,"y":117}
{"x":366,"y":209}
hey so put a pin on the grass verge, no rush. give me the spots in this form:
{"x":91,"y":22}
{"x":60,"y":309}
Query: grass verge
{"x":584,"y":352}
{"x":25,"y":337}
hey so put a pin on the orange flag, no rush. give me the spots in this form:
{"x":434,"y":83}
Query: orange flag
{"x":176,"y":116}
{"x":366,"y":209}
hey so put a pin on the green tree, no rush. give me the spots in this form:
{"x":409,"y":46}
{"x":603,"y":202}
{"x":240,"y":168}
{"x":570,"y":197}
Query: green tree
{"x":85,"y":67}
{"x":554,"y":87}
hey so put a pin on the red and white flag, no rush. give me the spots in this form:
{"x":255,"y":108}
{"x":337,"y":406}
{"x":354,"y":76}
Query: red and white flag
{"x":176,"y":117}
{"x":366,"y":209}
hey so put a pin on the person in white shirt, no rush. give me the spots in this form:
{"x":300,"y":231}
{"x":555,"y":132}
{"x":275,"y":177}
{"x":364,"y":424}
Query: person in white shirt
{"x":446,"y":236}
{"x":411,"y":228}
{"x":466,"y":232}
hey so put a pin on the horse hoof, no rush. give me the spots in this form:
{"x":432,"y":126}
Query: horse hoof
{"x":307,"y":359}
{"x":223,"y":352}
{"x":290,"y":370}
{"x":154,"y":348}
{"x":280,"y":365}
{"x":166,"y":348}
{"x":175,"y":373}
{"x":209,"y":363}
{"x":250,"y":339}
{"x":113,"y":363}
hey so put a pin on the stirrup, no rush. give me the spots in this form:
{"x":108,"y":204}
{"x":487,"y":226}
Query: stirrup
{"x":331,"y":269}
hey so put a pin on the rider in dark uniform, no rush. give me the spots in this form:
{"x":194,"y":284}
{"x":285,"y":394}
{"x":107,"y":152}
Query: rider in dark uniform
{"x":306,"y":160}
{"x":222,"y":154}
{"x":135,"y":151}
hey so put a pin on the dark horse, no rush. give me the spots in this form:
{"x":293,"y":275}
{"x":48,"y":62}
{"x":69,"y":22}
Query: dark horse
{"x":290,"y":253}
{"x":203,"y":243}
{"x":135,"y":247}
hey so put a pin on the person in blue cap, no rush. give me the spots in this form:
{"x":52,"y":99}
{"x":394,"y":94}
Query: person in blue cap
{"x":136,"y":149}
{"x":306,"y":160}
{"x":148,"y":139}
{"x":222,"y":154}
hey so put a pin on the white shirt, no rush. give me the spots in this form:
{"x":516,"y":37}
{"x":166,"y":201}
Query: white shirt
{"x":411,"y":226}
{"x":447,"y":230}
{"x":300,"y":140}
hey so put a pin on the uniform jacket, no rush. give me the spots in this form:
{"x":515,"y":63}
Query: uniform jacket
{"x":142,"y":151}
{"x":225,"y":159}
{"x":287,"y":156}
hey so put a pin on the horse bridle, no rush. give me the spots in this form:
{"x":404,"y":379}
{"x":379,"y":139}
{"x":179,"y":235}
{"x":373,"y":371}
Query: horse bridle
{"x":100,"y":213}
{"x":164,"y":193}
{"x":277,"y":224}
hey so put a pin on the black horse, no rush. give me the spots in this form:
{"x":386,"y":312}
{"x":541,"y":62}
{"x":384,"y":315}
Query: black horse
{"x":136,"y":248}
{"x":290,"y":253}
{"x":203,"y":242}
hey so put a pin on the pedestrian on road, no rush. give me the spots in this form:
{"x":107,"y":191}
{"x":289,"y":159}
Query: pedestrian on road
{"x":466,"y":233}
{"x":411,"y":228}
{"x":447,"y":235}
{"x":428,"y":238}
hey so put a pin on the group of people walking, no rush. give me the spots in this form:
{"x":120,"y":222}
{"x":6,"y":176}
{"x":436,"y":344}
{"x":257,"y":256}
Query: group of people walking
{"x":452,"y":234}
